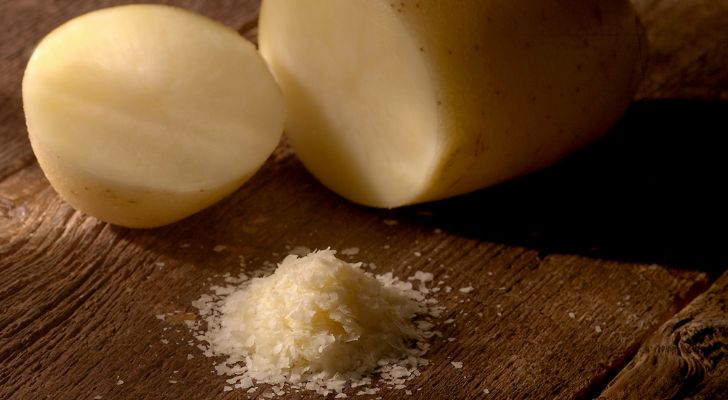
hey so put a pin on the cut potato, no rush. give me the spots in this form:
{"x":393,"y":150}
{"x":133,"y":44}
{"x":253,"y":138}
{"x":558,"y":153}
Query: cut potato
{"x":398,"y":103}
{"x":142,"y":115}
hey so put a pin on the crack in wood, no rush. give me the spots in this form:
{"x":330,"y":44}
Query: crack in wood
{"x":686,"y":357}
{"x":600,"y":383}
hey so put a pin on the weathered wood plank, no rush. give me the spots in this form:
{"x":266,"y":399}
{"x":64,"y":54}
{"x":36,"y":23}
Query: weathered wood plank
{"x":573,"y":267}
{"x":686,"y":358}
{"x":24,"y":23}
{"x":82,"y":296}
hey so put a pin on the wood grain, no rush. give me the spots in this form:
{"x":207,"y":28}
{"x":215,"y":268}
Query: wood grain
{"x":686,"y":358}
{"x":83,"y":295}
{"x":573,"y":267}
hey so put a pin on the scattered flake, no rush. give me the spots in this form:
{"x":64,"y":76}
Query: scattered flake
{"x":184,"y":245}
{"x":408,"y":392}
{"x":457,"y":364}
{"x":299,"y":250}
{"x":161,"y":317}
{"x":421,"y":276}
{"x":219,"y":248}
{"x":448,"y":289}
{"x":467,"y":289}
{"x":242,"y":277}
{"x":172,"y":381}
{"x":351,"y":251}
{"x":449,"y":321}
{"x":256,"y":348}
{"x":438,"y":231}
{"x":386,"y":246}
{"x":164,"y":341}
{"x":572,"y":315}
{"x":391,"y":222}
{"x":418,"y":254}
{"x":119,"y":382}
{"x":98,"y":397}
{"x":190,"y":356}
{"x":160,"y":264}
{"x":486,"y":391}
{"x":369,"y":391}
{"x":227,"y":388}
{"x":341,"y":396}
{"x":452,"y":339}
{"x":598,"y":329}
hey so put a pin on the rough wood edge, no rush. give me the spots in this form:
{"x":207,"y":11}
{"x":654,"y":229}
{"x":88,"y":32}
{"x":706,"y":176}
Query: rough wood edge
{"x":686,"y":357}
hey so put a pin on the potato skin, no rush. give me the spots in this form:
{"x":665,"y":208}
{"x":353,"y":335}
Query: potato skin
{"x":123,"y":205}
{"x":141,"y":115}
{"x":523,"y":85}
{"x":518,"y":86}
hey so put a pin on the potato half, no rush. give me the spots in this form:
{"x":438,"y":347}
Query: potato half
{"x":394,"y":103}
{"x":142,"y":115}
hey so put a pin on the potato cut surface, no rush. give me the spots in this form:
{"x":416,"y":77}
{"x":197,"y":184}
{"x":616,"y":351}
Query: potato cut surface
{"x":396,"y":103}
{"x":363,"y":112}
{"x":141,"y":115}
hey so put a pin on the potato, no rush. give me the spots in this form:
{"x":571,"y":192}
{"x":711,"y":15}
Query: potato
{"x":395,"y":103}
{"x":142,"y":115}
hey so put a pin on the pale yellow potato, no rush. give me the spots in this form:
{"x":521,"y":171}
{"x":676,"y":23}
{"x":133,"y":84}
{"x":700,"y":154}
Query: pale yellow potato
{"x":142,"y":115}
{"x":395,"y":103}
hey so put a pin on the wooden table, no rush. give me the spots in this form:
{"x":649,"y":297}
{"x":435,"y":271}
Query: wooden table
{"x":602,"y":276}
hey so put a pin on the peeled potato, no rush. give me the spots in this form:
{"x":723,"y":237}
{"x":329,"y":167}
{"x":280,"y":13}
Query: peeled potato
{"x":395,"y":103}
{"x":142,"y":115}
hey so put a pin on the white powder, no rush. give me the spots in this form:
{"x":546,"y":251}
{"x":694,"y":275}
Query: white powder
{"x":352,"y":251}
{"x":318,"y":323}
{"x":422,"y":277}
{"x":299,"y":250}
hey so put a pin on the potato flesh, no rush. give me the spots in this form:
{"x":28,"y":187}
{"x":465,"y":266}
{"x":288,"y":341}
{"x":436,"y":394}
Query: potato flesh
{"x":361,"y":120}
{"x":142,"y":115}
{"x":516,"y":87}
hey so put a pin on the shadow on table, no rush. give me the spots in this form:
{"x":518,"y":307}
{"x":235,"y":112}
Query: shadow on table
{"x":651,"y":191}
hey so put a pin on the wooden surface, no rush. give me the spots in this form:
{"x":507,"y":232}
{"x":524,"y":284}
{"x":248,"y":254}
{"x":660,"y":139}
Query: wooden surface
{"x":603,"y":276}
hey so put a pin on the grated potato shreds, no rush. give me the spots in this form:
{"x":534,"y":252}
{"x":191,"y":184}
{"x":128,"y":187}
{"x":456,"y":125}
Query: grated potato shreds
{"x":317,"y":323}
